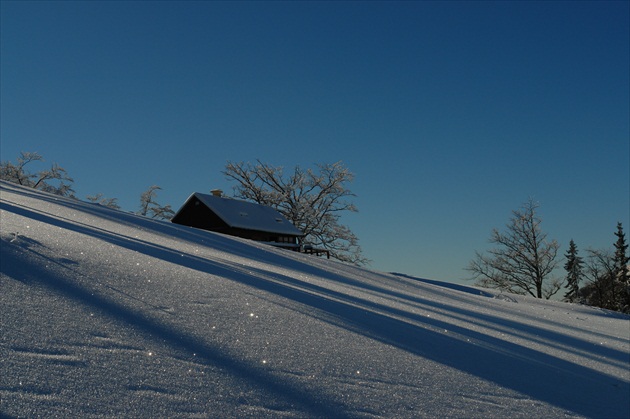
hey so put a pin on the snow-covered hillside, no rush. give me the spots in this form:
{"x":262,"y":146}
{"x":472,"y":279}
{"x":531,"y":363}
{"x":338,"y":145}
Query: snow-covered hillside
{"x":106,"y":314}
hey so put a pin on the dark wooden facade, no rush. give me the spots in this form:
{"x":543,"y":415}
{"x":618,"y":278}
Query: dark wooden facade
{"x":238,"y":218}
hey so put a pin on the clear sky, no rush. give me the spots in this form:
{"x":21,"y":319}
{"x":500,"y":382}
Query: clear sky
{"x":450,"y":114}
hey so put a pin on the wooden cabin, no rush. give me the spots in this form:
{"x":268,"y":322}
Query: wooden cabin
{"x":238,"y":218}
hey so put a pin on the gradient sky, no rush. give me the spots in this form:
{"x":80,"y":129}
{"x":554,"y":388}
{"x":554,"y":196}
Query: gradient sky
{"x":450,"y":114}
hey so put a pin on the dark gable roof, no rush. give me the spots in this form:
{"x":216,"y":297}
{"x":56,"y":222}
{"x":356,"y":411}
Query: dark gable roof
{"x":245,"y":215}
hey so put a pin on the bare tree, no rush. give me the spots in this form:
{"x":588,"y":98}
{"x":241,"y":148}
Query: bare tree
{"x":600,"y":289}
{"x":16,"y":173}
{"x":312,"y":200}
{"x":107,"y":202}
{"x":523,"y":261}
{"x":54,"y":180}
{"x":64,"y":182}
{"x":150,"y":208}
{"x":607,"y":274}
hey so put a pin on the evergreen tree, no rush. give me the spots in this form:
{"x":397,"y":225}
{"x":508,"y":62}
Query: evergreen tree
{"x":573,"y":266}
{"x":620,"y":270}
{"x":621,"y":259}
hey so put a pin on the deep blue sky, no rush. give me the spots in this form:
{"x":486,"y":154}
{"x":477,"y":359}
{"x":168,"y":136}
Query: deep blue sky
{"x":450,"y":114}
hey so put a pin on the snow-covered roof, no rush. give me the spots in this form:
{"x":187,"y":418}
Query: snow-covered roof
{"x":246,"y":215}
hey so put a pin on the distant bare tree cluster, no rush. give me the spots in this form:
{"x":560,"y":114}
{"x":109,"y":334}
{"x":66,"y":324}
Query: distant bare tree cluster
{"x":56,"y":180}
{"x":101,"y":200}
{"x":524,"y":262}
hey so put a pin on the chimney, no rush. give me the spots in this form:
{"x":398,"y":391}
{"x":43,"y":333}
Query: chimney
{"x":216,"y":192}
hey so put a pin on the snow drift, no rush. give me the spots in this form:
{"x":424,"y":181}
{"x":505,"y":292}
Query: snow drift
{"x":107,"y":314}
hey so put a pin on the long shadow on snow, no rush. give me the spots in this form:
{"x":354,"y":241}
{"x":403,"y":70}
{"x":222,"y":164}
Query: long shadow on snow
{"x":544,"y":337}
{"x":579,"y":346}
{"x":295,"y":397}
{"x":518,"y":329}
{"x":566,"y":343}
{"x":537,"y":375}
{"x":524,"y":328}
{"x":524,"y":370}
{"x":188,"y":234}
{"x":134,"y":222}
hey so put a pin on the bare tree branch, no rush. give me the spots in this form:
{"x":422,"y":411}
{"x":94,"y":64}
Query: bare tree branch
{"x":312,"y":200}
{"x":54,"y":180}
{"x":524,"y":260}
{"x":150,"y":208}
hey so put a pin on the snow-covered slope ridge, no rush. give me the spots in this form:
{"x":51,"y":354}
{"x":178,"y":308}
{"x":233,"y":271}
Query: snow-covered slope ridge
{"x":106,"y":314}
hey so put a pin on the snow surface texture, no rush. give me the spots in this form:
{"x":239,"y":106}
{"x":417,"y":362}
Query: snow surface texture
{"x":107,"y":314}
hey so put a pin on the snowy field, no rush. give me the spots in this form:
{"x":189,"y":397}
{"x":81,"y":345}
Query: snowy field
{"x":107,"y":314}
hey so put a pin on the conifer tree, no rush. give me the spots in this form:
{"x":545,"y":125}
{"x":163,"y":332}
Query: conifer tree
{"x":620,"y":267}
{"x":573,"y":266}
{"x":621,"y":259}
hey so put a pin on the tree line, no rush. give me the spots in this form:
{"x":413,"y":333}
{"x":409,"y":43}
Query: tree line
{"x":313,"y":200}
{"x":524,"y":261}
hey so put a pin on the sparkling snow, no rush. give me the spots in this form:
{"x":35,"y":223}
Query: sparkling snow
{"x":107,"y":314}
